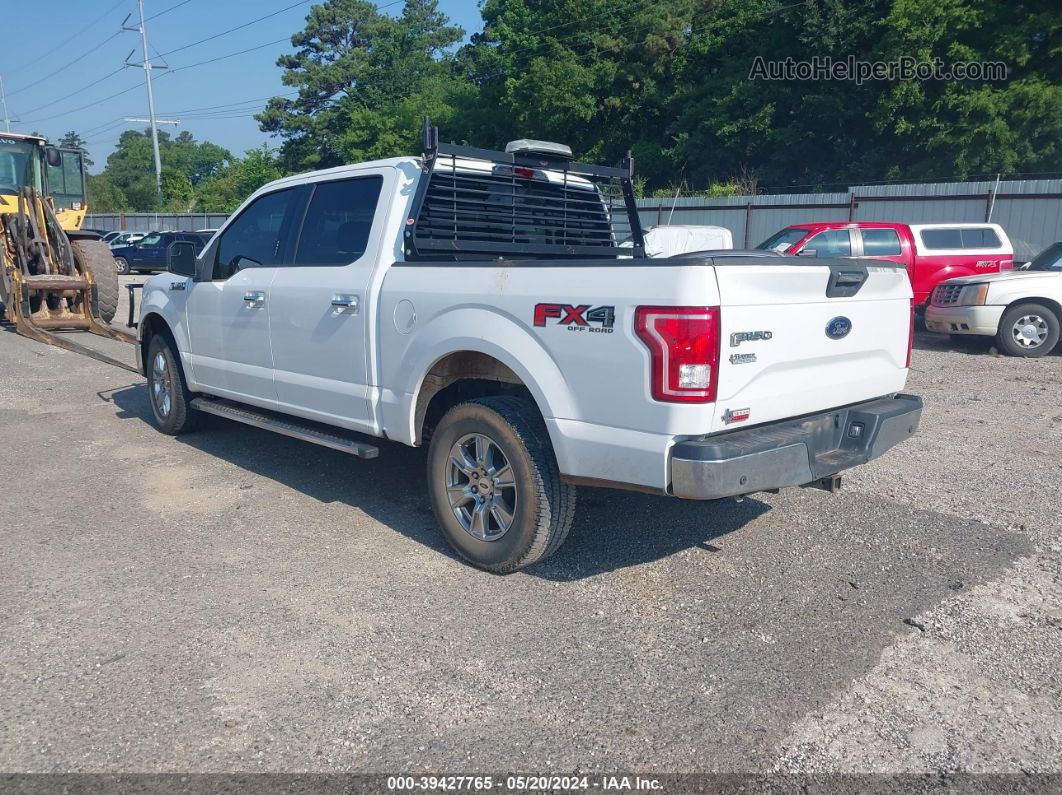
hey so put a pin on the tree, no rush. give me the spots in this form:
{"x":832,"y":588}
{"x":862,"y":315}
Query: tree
{"x":593,"y":74}
{"x":131,"y":168}
{"x":360,"y":75}
{"x":224,"y":192}
{"x":104,"y":196}
{"x":810,"y":133}
{"x":72,"y":140}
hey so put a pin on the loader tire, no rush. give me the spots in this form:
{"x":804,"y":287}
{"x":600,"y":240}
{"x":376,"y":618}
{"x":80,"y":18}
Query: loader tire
{"x":95,"y":257}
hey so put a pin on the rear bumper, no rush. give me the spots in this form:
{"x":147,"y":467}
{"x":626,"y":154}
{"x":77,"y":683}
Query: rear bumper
{"x":792,"y":452}
{"x":982,"y":320}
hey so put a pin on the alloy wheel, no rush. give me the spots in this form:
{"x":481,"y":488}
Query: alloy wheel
{"x":481,"y":487}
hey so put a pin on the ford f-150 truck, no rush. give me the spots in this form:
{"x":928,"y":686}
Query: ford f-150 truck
{"x":480,"y":303}
{"x":930,"y":252}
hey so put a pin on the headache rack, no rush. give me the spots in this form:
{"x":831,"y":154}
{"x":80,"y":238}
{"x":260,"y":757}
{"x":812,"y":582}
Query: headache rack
{"x":481,"y":204}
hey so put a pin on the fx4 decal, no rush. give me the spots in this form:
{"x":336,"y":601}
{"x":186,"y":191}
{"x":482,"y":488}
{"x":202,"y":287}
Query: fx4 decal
{"x":578,"y":317}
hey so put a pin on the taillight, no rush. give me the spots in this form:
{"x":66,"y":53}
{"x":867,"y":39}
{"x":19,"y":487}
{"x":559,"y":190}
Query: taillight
{"x":1006,"y":265}
{"x":684,"y":345}
{"x":910,"y":336}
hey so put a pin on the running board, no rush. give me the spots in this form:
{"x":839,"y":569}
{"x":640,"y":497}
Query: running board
{"x":288,"y":426}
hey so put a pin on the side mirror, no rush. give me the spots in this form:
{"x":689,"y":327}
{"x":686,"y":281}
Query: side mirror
{"x":53,"y":157}
{"x":180,"y":259}
{"x":808,"y":252}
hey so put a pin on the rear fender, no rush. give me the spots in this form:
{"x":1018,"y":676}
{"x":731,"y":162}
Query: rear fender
{"x":450,"y":333}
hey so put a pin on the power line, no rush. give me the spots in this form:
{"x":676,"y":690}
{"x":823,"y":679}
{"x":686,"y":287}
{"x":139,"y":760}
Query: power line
{"x":239,"y":27}
{"x":167,"y":10}
{"x":80,"y":32}
{"x":66,"y":66}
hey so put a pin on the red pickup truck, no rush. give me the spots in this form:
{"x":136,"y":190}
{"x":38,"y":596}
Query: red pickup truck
{"x":931,"y":252}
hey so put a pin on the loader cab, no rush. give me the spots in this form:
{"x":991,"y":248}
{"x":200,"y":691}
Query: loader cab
{"x":28,"y":161}
{"x":21,"y":165}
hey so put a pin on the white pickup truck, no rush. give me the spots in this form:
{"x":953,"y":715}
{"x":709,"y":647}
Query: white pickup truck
{"x":479,"y":302}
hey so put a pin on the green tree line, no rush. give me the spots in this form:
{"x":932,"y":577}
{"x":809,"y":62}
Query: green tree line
{"x":669,"y":80}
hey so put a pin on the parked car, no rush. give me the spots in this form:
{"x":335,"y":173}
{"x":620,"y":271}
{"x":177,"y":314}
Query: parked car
{"x":477,"y":302}
{"x":107,"y":237}
{"x":930,"y":252}
{"x":149,"y":253}
{"x":672,"y":239}
{"x":1021,"y":309}
{"x":125,"y":239}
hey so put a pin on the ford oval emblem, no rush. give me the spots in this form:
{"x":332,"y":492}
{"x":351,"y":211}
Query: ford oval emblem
{"x":838,"y":328}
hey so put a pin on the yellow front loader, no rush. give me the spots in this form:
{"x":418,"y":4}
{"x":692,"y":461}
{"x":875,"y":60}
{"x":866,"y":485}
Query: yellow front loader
{"x":54,"y":277}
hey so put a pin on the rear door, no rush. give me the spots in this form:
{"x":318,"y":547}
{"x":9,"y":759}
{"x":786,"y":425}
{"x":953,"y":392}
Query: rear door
{"x":808,"y":336}
{"x":320,"y":314}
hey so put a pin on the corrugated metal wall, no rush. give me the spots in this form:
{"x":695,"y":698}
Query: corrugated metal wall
{"x":1030,"y":211}
{"x":152,"y":222}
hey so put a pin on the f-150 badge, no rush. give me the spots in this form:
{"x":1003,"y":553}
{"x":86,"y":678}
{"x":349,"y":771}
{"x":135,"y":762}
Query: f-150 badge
{"x":579,"y":317}
{"x":739,"y":337}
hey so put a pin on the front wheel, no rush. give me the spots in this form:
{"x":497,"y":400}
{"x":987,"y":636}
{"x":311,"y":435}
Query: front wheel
{"x":1028,"y":330}
{"x":121,"y":264}
{"x":495,"y":487}
{"x":169,"y":396}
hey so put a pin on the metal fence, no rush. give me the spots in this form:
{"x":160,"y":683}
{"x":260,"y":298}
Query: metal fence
{"x":154,"y":222}
{"x":1030,"y":211}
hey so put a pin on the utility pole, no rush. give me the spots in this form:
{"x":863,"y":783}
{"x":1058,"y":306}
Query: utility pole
{"x":3,"y":101}
{"x":147,"y":67}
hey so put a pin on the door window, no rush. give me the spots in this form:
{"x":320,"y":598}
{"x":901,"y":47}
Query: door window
{"x":881,"y":243}
{"x":832,"y":243}
{"x":338,"y":221}
{"x":256,"y":237}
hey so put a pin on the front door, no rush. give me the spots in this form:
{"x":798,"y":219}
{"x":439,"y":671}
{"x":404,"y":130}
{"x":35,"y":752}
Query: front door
{"x":229,"y":314}
{"x":319,"y":314}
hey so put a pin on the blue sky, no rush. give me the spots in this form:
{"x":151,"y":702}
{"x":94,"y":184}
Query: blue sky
{"x":204,"y":97}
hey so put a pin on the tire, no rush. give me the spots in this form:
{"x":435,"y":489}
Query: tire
{"x":94,"y":257}
{"x":539,"y":504}
{"x":121,"y":264}
{"x":171,"y":402}
{"x":1029,"y":330}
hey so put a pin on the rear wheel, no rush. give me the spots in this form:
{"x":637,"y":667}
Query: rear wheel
{"x":171,"y":402}
{"x":94,"y":256}
{"x":1029,"y":330}
{"x":121,"y":264}
{"x":494,"y":484}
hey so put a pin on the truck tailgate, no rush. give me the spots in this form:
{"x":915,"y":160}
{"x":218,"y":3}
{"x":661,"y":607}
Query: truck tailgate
{"x":809,"y":336}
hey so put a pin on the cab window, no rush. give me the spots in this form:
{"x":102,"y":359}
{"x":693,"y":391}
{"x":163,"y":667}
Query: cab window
{"x":831,"y":243}
{"x":881,"y":243}
{"x":338,"y":220}
{"x":256,"y":237}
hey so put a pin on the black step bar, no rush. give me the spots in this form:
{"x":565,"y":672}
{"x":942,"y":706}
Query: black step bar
{"x":286,"y":426}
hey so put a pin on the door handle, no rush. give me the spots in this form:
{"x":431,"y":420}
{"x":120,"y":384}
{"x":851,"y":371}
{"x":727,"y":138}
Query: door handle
{"x":345,"y":303}
{"x":254,"y":299}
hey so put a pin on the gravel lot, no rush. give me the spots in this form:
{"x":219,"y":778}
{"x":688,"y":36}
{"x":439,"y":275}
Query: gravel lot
{"x":235,"y":600}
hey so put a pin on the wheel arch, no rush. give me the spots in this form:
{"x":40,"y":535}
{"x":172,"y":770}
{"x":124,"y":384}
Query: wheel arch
{"x":151,"y":324}
{"x":459,"y":376}
{"x":1051,"y":303}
